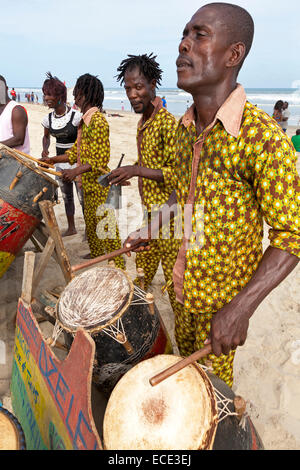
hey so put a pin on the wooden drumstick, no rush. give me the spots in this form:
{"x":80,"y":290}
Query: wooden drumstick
{"x":34,"y":159}
{"x":180,"y":365}
{"x":106,"y":257}
{"x":51,"y":172}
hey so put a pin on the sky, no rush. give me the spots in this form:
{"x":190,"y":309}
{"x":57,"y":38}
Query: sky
{"x":73,"y":37}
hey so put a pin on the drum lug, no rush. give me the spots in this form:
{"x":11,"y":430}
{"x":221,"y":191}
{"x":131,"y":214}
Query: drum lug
{"x":15,"y":180}
{"x":150,"y":301}
{"x":39,"y":195}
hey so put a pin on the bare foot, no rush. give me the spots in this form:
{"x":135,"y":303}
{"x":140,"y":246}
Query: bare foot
{"x":70,"y":231}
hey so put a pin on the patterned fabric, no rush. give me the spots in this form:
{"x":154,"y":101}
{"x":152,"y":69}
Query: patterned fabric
{"x":156,"y":150}
{"x":101,"y":228}
{"x":240,"y":177}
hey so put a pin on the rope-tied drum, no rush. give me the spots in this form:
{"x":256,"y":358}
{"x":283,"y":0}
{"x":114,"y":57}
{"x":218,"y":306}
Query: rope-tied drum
{"x":95,"y":299}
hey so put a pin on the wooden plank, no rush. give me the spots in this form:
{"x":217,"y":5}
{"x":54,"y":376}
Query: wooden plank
{"x":52,"y":398}
{"x":44,"y":259}
{"x":29,"y":259}
{"x":51,"y":224}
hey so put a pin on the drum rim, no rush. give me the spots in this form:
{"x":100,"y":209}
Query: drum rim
{"x":23,"y":161}
{"x":97,"y":329}
{"x":19,"y":433}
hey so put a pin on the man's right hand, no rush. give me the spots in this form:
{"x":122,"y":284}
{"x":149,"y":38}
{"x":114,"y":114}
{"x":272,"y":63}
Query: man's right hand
{"x":139,"y":240}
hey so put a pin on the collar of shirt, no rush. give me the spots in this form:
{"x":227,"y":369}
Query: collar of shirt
{"x":157,"y":103}
{"x":230,"y":113}
{"x":86,"y":118}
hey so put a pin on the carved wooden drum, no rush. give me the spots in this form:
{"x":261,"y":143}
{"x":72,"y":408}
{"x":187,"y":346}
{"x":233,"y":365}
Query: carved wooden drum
{"x":190,"y":410}
{"x":122,"y":319}
{"x":22,"y":186}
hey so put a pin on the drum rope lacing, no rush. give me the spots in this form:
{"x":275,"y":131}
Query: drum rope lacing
{"x":223,"y":404}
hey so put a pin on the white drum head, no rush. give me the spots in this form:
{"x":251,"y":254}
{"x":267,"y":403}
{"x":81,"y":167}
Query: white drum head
{"x":95,"y":298}
{"x":180,"y":413}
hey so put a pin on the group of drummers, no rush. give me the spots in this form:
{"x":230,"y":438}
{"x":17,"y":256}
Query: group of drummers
{"x":219,"y":170}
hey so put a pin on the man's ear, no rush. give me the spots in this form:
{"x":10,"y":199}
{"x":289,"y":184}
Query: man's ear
{"x":153,"y":84}
{"x":237,"y":54}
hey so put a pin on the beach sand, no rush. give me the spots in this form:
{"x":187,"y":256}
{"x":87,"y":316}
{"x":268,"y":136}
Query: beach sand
{"x":267,"y":367}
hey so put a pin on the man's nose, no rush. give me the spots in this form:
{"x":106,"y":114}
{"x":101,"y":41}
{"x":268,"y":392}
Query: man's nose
{"x":132,"y":94}
{"x":185,"y":44}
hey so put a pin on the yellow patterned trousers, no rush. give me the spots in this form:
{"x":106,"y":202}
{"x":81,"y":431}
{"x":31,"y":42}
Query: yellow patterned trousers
{"x":191,"y":330}
{"x":101,"y":227}
{"x":164,"y":251}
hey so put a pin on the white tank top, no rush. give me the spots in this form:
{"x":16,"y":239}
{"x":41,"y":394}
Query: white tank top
{"x":6,"y":129}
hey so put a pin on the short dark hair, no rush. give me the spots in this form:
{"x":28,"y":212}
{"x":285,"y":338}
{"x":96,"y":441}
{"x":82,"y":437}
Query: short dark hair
{"x":92,"y":89}
{"x":298,"y":132}
{"x":55,"y":87}
{"x":238,"y":22}
{"x":278,"y":105}
{"x":145,"y":63}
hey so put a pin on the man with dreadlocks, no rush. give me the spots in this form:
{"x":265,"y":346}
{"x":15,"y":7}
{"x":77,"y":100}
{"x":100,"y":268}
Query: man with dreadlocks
{"x":156,"y":158}
{"x":91,"y":153}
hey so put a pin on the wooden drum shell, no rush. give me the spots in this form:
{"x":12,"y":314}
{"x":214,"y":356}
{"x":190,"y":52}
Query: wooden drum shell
{"x":19,"y":210}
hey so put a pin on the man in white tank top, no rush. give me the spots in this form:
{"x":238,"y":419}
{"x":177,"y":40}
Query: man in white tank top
{"x":13,"y":122}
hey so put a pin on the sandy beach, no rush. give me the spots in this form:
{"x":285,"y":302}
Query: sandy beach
{"x":267,"y":367}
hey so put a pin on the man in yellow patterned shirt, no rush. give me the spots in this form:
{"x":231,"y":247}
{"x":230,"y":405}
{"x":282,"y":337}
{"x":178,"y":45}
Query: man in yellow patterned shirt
{"x":235,"y":168}
{"x":156,"y":160}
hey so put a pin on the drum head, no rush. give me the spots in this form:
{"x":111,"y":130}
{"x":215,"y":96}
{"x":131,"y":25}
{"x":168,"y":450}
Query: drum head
{"x":95,"y":299}
{"x":9,"y":437}
{"x":180,"y":413}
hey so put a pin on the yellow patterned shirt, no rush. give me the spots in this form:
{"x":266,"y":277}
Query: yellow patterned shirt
{"x":238,"y":172}
{"x":156,"y":150}
{"x":94,"y":149}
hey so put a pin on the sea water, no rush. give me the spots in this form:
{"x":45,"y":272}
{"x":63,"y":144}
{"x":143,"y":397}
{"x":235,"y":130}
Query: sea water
{"x":178,"y":100}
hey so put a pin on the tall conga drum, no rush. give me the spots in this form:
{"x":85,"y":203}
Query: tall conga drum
{"x":22,"y":186}
{"x":122,"y":319}
{"x":190,"y":410}
{"x":11,"y":433}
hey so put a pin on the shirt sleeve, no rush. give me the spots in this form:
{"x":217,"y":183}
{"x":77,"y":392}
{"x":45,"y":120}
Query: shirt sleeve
{"x":277,"y":186}
{"x":45,"y":122}
{"x":72,"y":154}
{"x":97,"y":150}
{"x":169,"y":165}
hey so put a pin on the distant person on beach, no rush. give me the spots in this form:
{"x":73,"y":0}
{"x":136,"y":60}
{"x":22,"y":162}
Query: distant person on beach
{"x":141,"y":75}
{"x":13,"y":94}
{"x":13,"y":121}
{"x":296,"y":140}
{"x":235,"y":169}
{"x":164,"y":102}
{"x":62,"y":124}
{"x":91,"y":153}
{"x":277,"y":111}
{"x":285,"y":116}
